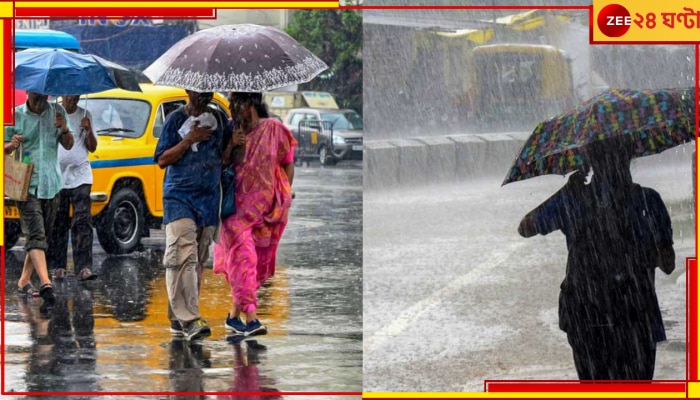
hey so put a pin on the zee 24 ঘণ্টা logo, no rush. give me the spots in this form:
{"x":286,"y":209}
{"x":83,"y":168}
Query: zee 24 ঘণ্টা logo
{"x":614,"y":21}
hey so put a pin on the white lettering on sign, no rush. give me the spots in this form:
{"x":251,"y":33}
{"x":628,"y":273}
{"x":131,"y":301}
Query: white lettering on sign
{"x":120,"y":22}
{"x":31,"y":24}
{"x":619,"y":20}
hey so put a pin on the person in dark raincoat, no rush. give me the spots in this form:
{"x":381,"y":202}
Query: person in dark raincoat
{"x":617,"y":233}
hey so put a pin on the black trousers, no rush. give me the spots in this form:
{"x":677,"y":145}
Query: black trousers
{"x":79,"y":226}
{"x":613,"y":352}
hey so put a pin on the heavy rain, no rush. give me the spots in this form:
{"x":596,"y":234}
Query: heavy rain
{"x":453,"y":295}
{"x":448,"y":293}
{"x":104,"y":328}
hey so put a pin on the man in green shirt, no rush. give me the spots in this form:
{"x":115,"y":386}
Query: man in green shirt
{"x":39,"y":127}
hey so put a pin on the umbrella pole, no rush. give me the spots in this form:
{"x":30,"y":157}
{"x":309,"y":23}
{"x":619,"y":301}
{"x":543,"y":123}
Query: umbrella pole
{"x":85,"y":110}
{"x":56,"y":108}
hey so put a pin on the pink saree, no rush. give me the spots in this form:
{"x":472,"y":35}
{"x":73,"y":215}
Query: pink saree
{"x":247,"y":248}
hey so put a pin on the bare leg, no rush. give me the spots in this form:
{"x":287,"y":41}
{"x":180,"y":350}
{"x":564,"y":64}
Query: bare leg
{"x":27,"y":271}
{"x":38,"y":259}
{"x":251,"y":316}
{"x":234,"y":312}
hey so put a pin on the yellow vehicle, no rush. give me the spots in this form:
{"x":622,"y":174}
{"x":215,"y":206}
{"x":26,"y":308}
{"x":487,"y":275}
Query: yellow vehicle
{"x":280,"y":103}
{"x":127,"y":189}
{"x":520,"y":83}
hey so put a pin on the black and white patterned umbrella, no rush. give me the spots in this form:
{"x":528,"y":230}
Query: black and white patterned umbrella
{"x":240,"y":58}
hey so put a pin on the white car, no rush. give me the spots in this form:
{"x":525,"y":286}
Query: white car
{"x":326,"y":134}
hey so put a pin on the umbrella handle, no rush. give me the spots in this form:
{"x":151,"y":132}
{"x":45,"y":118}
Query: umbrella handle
{"x":57,"y":131}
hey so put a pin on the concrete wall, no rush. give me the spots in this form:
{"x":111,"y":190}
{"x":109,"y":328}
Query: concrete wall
{"x":423,"y":160}
{"x":435,"y":159}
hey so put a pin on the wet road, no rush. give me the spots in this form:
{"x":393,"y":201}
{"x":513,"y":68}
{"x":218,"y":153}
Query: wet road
{"x":453,"y":295}
{"x":112,"y":334}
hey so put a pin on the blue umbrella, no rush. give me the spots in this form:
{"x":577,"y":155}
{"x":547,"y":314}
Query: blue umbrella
{"x":122,"y":76}
{"x":58,"y":72}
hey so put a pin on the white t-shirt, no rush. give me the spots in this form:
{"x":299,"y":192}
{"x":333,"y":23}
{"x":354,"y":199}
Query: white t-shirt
{"x":74,"y":163}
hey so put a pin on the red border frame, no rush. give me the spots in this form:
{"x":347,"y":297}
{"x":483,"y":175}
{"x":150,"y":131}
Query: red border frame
{"x":692,"y":320}
{"x":8,"y":83}
{"x":79,"y":12}
{"x":495,"y":385}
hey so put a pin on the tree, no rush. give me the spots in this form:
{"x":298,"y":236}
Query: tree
{"x":335,"y":36}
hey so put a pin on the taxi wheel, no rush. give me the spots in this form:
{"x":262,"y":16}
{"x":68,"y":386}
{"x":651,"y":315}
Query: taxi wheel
{"x":12,"y":232}
{"x":121,"y":224}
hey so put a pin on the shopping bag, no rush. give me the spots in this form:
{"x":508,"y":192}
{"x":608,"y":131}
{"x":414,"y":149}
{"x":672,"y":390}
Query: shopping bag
{"x":17,"y":176}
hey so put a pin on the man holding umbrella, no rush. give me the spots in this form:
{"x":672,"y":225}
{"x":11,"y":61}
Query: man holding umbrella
{"x":77,"y":184}
{"x":39,"y":127}
{"x":190,"y":147}
{"x":246,"y":60}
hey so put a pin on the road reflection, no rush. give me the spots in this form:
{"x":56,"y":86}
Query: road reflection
{"x":112,"y":334}
{"x":63,"y":350}
{"x":186,"y":364}
{"x":124,"y":286}
{"x":247,"y":377}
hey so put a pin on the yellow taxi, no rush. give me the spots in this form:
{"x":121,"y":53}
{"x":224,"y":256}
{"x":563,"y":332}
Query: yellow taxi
{"x":127,"y":189}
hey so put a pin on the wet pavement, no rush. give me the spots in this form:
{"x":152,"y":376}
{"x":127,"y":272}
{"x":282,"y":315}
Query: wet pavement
{"x":454,"y":296}
{"x":111,"y":334}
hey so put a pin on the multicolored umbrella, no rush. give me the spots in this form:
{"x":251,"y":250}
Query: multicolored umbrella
{"x":655,"y":120}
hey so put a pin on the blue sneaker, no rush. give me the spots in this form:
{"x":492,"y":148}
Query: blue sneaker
{"x":255,"y":328}
{"x":236,"y":325}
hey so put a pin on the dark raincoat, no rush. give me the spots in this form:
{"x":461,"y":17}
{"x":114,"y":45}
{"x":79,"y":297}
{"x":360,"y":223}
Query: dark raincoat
{"x":608,"y":293}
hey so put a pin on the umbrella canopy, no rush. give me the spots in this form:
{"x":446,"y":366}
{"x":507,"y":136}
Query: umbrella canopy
{"x":122,"y":76}
{"x":57,"y":72}
{"x":654,"y":120}
{"x":241,"y":58}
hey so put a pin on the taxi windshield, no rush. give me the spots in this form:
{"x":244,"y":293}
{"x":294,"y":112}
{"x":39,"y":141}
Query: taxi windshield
{"x":118,"y":117}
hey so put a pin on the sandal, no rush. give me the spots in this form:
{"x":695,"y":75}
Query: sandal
{"x":28,"y":290}
{"x":59,"y":273}
{"x":85,"y":275}
{"x":46,"y":293}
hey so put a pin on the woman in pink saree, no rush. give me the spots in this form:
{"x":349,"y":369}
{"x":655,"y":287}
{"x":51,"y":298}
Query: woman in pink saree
{"x":246,"y":252}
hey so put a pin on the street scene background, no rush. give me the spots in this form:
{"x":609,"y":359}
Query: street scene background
{"x":111,"y":334}
{"x":453,"y":295}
